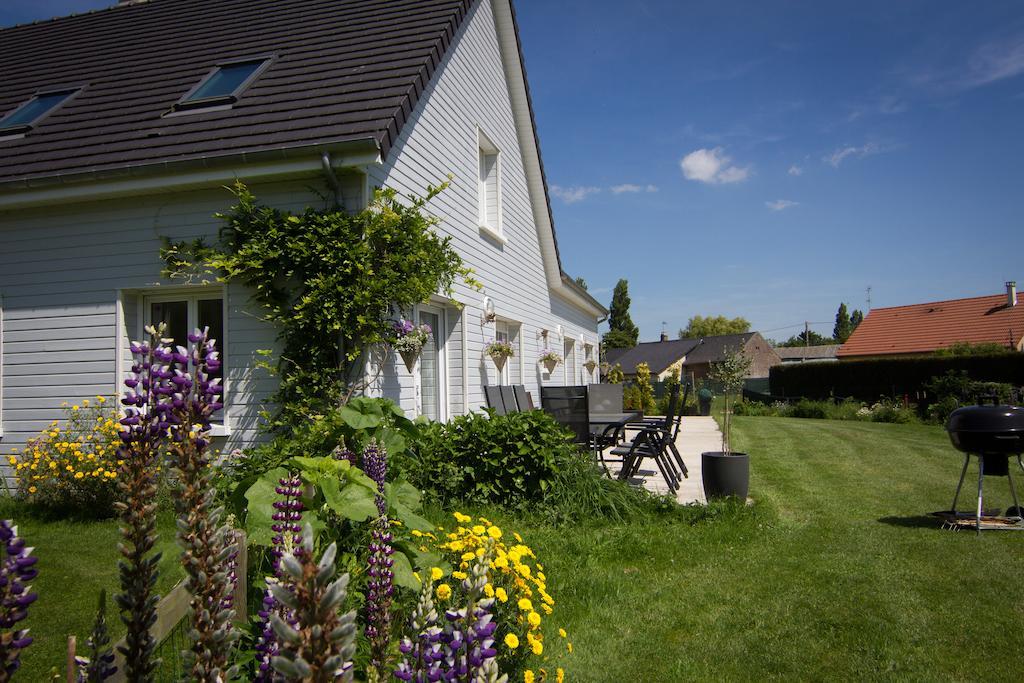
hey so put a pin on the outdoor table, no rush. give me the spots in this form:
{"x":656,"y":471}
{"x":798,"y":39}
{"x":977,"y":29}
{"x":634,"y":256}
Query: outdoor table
{"x":609,"y":423}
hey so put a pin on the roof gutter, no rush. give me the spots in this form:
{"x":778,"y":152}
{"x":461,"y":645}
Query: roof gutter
{"x":171,"y":176}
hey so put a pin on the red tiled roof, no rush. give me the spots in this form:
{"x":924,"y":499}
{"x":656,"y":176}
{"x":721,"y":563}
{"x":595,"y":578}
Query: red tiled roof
{"x":921,"y":328}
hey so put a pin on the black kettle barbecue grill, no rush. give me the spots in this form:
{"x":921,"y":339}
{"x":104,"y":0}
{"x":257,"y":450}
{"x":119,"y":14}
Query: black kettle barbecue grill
{"x":993,"y":434}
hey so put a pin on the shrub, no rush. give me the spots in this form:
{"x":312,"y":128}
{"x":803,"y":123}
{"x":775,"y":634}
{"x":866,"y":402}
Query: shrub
{"x":72,"y":467}
{"x":486,"y":458}
{"x":645,"y":392}
{"x":815,"y":410}
{"x":955,"y":388}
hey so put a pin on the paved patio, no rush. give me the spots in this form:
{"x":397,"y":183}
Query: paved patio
{"x":697,"y":435}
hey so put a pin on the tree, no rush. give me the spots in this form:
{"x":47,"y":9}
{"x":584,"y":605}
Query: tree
{"x":713,"y":326}
{"x":843,"y":328}
{"x":812,"y":339}
{"x":622,"y":333}
{"x":731,"y":372}
{"x":856,"y":318}
{"x":581,"y":283}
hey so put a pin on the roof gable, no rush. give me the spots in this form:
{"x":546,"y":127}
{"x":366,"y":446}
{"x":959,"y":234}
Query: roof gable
{"x":343,"y":70}
{"x":658,"y":355}
{"x":922,"y":328}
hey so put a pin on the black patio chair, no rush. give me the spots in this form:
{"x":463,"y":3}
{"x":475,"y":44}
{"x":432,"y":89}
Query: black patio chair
{"x":523,"y":398}
{"x":654,"y":442}
{"x":508,"y":397}
{"x":494,"y":400}
{"x":568,"y":405}
{"x":659,"y":422}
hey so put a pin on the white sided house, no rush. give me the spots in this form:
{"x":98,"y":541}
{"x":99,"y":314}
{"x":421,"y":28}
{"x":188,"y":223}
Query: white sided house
{"x":122,"y":126}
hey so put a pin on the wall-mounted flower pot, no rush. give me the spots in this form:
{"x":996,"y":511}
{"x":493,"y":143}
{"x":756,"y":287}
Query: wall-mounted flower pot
{"x":409,"y":357}
{"x":499,"y":361}
{"x":725,"y":474}
{"x":550,"y":365}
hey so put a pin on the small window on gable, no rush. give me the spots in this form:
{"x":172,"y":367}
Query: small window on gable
{"x":490,"y":187}
{"x":223,"y":85}
{"x":25,"y":117}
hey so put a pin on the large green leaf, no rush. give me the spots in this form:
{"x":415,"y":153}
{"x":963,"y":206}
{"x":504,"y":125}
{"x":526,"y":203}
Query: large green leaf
{"x":260,"y":498}
{"x":353,"y":502}
{"x":402,"y":570}
{"x":362,"y":413}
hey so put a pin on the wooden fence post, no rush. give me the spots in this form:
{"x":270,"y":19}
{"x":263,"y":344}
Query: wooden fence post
{"x":241,"y":574}
{"x":72,"y":672}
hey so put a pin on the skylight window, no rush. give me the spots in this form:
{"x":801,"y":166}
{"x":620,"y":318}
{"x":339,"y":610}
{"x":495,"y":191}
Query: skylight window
{"x":224,"y":84}
{"x":32,"y":112}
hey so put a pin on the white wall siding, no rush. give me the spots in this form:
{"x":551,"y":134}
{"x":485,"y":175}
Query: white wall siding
{"x":63,"y":271}
{"x":469,"y":92}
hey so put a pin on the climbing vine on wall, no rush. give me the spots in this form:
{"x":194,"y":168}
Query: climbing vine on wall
{"x":328,"y":280}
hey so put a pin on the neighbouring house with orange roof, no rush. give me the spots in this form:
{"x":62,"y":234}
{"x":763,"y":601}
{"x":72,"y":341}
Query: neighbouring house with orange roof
{"x":928,"y":327}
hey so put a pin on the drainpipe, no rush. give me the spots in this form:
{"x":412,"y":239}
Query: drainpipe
{"x":332,"y":179}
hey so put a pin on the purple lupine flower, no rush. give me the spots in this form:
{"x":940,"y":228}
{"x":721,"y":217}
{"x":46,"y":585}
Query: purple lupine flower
{"x":343,"y":452}
{"x":422,"y":659}
{"x":16,"y":570}
{"x":375,"y":466}
{"x":379,"y":592}
{"x":287,"y":528}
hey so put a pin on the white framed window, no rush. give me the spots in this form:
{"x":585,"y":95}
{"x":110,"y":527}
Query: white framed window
{"x":569,"y":362}
{"x":489,"y":187}
{"x":183,"y":311}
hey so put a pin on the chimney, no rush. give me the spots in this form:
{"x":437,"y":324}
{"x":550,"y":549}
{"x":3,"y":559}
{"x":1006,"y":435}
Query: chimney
{"x":664,"y":332}
{"x":1011,"y":293}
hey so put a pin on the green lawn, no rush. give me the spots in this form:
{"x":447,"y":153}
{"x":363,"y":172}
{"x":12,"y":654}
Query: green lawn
{"x":76,"y":560}
{"x":833,"y":574}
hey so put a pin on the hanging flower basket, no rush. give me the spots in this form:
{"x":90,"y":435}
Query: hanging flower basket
{"x":500,"y":352}
{"x":408,"y":339}
{"x":550,"y":359}
{"x":590,"y":365}
{"x":410,"y":358}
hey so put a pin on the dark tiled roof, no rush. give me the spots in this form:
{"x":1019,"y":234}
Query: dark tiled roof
{"x":344,"y":70}
{"x":715,"y":349}
{"x":658,"y":355}
{"x":922,"y":328}
{"x":807,"y":352}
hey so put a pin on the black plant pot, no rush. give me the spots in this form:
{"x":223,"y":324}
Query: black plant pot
{"x":725,"y":474}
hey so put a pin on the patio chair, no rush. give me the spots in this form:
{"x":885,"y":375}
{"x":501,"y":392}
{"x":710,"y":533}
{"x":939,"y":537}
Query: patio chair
{"x":655,"y":442}
{"x":523,"y":398}
{"x":659,"y":422}
{"x":605,"y":398}
{"x":568,"y":405}
{"x":508,"y":397}
{"x":494,"y":400}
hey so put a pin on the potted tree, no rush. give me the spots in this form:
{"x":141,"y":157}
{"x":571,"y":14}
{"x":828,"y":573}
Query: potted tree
{"x":727,"y":473}
{"x":499,"y":351}
{"x":408,"y":340}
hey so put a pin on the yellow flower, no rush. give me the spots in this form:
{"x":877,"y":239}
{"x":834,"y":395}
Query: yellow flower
{"x":501,"y":594}
{"x":488,"y":590}
{"x":528,"y":676}
{"x":78,"y":475}
{"x":478,"y":530}
{"x":525,"y":604}
{"x":444,"y":591}
{"x":494,"y":532}
{"x":101,"y":399}
{"x":468,"y":556}
{"x":436,"y":573}
{"x":500,"y":563}
{"x":11,"y":459}
{"x":461,"y":518}
{"x":534,"y":619}
{"x":31,"y":489}
{"x":559,"y":675}
{"x":511,"y":641}
{"x":74,"y":407}
{"x":562,"y":633}
{"x":569,"y":646}
{"x":538,"y":647}
{"x":461,"y":576}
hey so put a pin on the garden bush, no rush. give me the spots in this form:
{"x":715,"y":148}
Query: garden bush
{"x":71,"y":467}
{"x":882,"y":411}
{"x":484,"y":458}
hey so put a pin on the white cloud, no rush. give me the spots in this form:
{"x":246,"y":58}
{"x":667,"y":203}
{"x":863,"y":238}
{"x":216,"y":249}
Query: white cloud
{"x":795,"y":170}
{"x":842,"y":153}
{"x":998,"y":59}
{"x":630,"y":187}
{"x":781,"y":204}
{"x":573,"y":194}
{"x":712,"y":166}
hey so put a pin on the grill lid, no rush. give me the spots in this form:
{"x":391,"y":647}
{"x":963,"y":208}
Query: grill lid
{"x":986,"y":419}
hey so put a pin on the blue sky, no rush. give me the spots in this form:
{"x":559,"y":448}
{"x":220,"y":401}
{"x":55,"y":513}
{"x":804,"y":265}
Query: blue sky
{"x":771,"y":159}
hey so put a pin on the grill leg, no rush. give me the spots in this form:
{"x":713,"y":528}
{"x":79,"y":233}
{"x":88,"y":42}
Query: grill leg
{"x":981,"y":480}
{"x":963,"y":473}
{"x":1013,"y":492}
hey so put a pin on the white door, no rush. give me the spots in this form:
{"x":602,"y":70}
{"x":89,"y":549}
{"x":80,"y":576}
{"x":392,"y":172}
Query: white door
{"x":501,"y":334}
{"x":431,"y":383}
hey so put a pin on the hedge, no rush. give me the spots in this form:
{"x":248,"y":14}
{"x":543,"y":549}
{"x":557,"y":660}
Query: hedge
{"x":868,"y":380}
